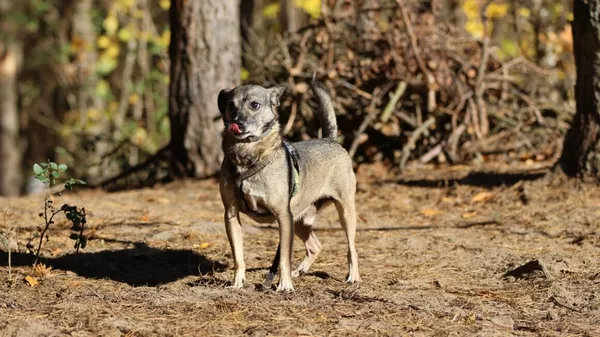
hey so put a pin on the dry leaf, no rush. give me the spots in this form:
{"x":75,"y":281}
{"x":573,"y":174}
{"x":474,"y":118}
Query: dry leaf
{"x":144,"y":218}
{"x":482,"y":197}
{"x":31,"y":281}
{"x":469,"y":215}
{"x":41,"y":270}
{"x":430,"y":212}
{"x":448,"y":200}
{"x":205,"y":245}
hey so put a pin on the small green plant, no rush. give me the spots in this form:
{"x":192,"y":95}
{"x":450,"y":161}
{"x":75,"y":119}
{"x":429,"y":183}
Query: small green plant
{"x":49,"y":173}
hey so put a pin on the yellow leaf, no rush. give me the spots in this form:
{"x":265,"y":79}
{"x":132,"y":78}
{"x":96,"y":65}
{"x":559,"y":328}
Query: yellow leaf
{"x":165,"y":4}
{"x":111,"y":24}
{"x":482,"y":197}
{"x":496,"y":10}
{"x":139,"y":137}
{"x":271,"y":11}
{"x":471,"y":8}
{"x":103,"y":41}
{"x":524,"y":12}
{"x":204,"y":245}
{"x":112,"y":51}
{"x":126,"y":3}
{"x":430,"y":212}
{"x":312,"y":7}
{"x":133,"y":98}
{"x":163,"y":39}
{"x":469,"y":215}
{"x":102,"y":88}
{"x":31,"y":281}
{"x":475,"y":28}
{"x":93,"y":114}
{"x":125,"y":34}
{"x":244,"y":74}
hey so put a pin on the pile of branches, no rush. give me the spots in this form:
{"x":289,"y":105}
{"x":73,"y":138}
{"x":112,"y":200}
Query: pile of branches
{"x":409,"y":86}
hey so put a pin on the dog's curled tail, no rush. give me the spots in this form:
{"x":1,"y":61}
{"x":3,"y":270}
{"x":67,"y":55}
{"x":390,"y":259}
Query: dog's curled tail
{"x":326,"y":112}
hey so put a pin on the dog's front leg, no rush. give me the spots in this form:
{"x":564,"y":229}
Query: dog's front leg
{"x":286,"y":240}
{"x":235,"y":236}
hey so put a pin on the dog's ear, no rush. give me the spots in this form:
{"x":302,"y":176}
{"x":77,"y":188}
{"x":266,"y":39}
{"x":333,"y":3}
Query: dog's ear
{"x":274,"y":94}
{"x":222,"y":100}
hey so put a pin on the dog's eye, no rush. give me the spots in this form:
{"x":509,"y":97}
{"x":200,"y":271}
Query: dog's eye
{"x":254,"y":105}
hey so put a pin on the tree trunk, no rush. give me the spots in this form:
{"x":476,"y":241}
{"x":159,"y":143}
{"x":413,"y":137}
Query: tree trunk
{"x":10,"y":152}
{"x":205,"y":53}
{"x":581,"y":151}
{"x":85,"y":37}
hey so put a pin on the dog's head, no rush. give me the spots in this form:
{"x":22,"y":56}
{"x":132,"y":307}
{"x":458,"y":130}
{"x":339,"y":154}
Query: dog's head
{"x":249,"y":110}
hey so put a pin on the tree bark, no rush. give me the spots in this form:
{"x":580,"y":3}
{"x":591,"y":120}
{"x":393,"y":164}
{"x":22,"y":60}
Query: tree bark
{"x":85,"y":35}
{"x":581,"y":151}
{"x":10,"y":153}
{"x":205,"y":53}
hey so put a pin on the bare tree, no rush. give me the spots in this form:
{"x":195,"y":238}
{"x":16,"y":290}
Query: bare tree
{"x":581,"y":151}
{"x":205,"y":54}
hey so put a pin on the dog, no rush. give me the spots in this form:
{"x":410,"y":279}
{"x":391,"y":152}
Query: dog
{"x":272,"y":180}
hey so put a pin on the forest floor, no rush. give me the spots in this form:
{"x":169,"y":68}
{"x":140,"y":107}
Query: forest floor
{"x":439,"y":255}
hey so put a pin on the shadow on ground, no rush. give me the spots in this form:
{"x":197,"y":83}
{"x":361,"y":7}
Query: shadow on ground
{"x":138,"y":266}
{"x":479,"y":179}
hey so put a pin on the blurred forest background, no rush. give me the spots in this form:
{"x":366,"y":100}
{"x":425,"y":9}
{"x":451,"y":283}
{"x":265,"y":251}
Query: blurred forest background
{"x":424,"y":82}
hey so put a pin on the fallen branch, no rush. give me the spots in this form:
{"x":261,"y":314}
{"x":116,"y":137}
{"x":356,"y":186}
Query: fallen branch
{"x":389,"y":108}
{"x":412,"y":141}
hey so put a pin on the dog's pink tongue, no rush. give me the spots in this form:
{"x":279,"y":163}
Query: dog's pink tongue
{"x":234,"y":128}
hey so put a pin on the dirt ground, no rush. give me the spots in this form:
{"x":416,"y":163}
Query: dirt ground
{"x":439,"y":256}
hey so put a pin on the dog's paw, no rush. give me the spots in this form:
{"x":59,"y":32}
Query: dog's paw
{"x":268,"y":281}
{"x":353,"y":278}
{"x":299,"y":271}
{"x":285,"y":286}
{"x":238,"y":280}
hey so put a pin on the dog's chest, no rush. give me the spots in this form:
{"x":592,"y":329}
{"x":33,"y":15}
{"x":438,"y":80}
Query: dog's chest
{"x":254,"y":197}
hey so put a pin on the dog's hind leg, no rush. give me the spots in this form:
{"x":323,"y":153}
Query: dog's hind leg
{"x":347,"y":214}
{"x":304,"y":230}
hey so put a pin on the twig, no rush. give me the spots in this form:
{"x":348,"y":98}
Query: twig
{"x":532,"y":106}
{"x":479,"y":84}
{"x":452,"y":144}
{"x":389,"y":108}
{"x":290,"y":122}
{"x":372,"y":113}
{"x":410,"y":145}
{"x":354,"y":88}
{"x":429,"y":155}
{"x":431,"y":85}
{"x":156,"y":157}
{"x":363,"y":126}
